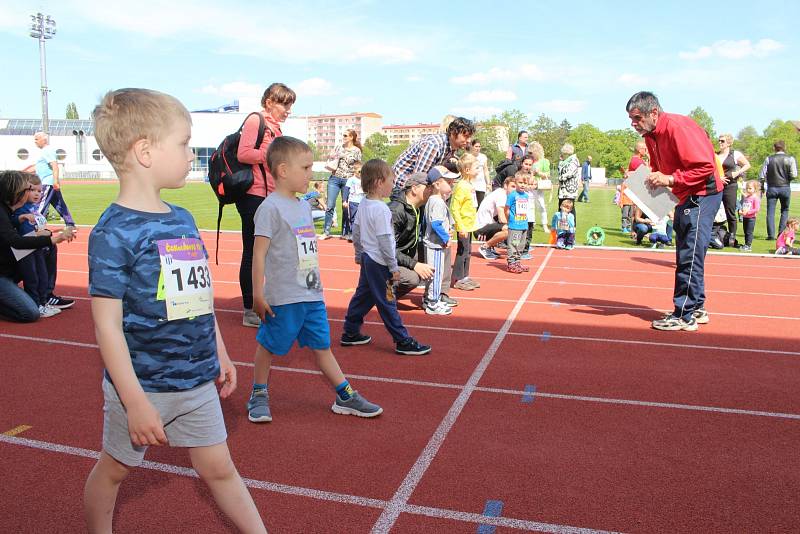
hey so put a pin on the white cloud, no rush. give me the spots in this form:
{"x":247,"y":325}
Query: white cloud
{"x":734,"y":49}
{"x":527,"y":71}
{"x":630,"y":79}
{"x":313,"y":87}
{"x":562,"y":106}
{"x":476,"y":111}
{"x":233,"y":89}
{"x":496,"y":95}
{"x":292,"y":35}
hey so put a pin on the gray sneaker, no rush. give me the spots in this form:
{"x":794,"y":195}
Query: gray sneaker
{"x":701,"y":316}
{"x":671,"y":322}
{"x":258,"y":407}
{"x":356,"y":405}
{"x":250,"y":319}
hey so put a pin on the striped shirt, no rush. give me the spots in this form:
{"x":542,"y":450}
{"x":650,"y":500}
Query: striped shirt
{"x":422,"y":156}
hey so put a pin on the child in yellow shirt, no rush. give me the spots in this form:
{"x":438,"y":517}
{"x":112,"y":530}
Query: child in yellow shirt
{"x":463,"y":206}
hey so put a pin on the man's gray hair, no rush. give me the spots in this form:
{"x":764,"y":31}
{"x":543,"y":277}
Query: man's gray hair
{"x":41,"y":135}
{"x":644,"y":101}
{"x":567,"y":149}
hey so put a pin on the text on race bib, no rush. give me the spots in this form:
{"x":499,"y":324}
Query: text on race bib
{"x":185,"y":279}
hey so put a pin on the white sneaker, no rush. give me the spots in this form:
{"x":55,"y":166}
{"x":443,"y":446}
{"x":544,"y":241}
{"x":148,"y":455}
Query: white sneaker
{"x":48,"y":311}
{"x":438,"y":308}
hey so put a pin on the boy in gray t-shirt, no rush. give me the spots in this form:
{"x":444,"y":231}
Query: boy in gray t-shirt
{"x":437,"y":242}
{"x":289,"y":298}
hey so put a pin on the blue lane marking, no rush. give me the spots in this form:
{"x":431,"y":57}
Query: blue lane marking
{"x":492,"y":509}
{"x":545,"y":336}
{"x":530,"y":391}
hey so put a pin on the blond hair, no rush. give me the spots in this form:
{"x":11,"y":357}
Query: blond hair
{"x":126,"y":116}
{"x":536,"y":149}
{"x":755,"y":183}
{"x":728,"y":138}
{"x":465,"y":162}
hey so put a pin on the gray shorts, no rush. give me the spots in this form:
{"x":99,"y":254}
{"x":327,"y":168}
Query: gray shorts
{"x":191,"y":418}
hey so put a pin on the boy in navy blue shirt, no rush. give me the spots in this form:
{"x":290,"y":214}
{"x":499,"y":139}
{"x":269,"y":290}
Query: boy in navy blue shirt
{"x":152,"y":305}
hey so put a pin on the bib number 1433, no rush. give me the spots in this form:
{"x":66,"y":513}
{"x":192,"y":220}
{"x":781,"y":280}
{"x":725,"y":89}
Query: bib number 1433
{"x":185,"y":277}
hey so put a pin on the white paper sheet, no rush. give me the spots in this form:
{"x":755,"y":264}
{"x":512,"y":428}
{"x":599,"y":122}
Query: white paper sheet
{"x":655,"y":203}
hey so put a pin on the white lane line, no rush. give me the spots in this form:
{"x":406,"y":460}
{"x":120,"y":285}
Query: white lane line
{"x":514,"y":392}
{"x":399,"y":500}
{"x":671,"y":272}
{"x":340,"y":498}
{"x":664,"y":288}
{"x":649,"y":404}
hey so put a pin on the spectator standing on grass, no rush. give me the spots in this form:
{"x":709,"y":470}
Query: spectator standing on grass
{"x":288,"y":290}
{"x":751,"y":204}
{"x":569,"y":176}
{"x":462,"y":205}
{"x":586,"y":178}
{"x":159,"y":340}
{"x":50,"y":173}
{"x":483,"y":181}
{"x":431,"y":150}
{"x":734,"y":165}
{"x":276,"y":104}
{"x":374,"y":244}
{"x":682,"y":158}
{"x":626,"y":205}
{"x":777,"y":172}
{"x":540,"y":169}
{"x":16,"y":304}
{"x":346,"y":155}
{"x":518,"y":150}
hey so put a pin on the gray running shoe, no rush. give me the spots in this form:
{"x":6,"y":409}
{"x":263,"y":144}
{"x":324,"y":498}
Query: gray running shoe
{"x":258,"y":407}
{"x":356,"y":405}
{"x":671,"y":322}
{"x":701,"y":316}
{"x":251,"y":319}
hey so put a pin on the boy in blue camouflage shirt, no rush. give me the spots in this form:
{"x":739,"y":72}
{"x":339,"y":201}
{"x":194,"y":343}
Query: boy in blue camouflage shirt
{"x":152,"y":306}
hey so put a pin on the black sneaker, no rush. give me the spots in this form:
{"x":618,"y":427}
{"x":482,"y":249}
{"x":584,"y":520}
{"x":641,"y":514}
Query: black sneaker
{"x":60,"y":302}
{"x":447,"y":300}
{"x":412,"y":347}
{"x":355,"y":339}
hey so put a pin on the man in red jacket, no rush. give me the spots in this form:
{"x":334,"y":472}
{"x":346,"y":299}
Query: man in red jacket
{"x":682,"y":158}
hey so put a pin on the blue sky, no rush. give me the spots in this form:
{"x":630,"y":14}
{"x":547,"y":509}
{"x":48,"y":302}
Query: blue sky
{"x":415,"y":61}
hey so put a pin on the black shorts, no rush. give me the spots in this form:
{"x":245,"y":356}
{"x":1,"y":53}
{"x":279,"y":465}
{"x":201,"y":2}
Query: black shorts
{"x":489,"y":230}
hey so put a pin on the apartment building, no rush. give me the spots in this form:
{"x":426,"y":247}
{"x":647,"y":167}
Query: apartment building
{"x":408,"y":133}
{"x":325,"y":131}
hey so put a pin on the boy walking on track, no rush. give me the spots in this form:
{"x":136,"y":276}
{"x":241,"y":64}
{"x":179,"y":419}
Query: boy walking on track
{"x":289,"y":301}
{"x":152,"y":305}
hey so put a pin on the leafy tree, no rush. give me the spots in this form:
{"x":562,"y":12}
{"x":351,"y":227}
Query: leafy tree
{"x":318,"y":154}
{"x":487,"y":135}
{"x":72,"y":111}
{"x":394,"y":151}
{"x":515,"y":120}
{"x":547,"y":133}
{"x":705,"y":121}
{"x":376,"y":146}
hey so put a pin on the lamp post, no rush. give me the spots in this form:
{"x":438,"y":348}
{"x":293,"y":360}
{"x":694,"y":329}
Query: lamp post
{"x":43,"y":27}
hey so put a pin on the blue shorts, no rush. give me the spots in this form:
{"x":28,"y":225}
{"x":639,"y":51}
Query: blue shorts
{"x":307,"y":322}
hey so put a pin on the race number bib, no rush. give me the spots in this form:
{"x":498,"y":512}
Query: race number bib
{"x":521,"y":209}
{"x":185,"y":281}
{"x":747,"y":205}
{"x":563,"y":223}
{"x":307,"y":259}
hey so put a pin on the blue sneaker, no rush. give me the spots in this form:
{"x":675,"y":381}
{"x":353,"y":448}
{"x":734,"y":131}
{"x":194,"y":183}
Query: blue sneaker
{"x":258,"y":407}
{"x":356,"y":405}
{"x":525,"y":256}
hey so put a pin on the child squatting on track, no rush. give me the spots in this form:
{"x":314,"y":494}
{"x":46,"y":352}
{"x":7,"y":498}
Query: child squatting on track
{"x":287,"y":290}
{"x":152,"y":305}
{"x":374,"y":244}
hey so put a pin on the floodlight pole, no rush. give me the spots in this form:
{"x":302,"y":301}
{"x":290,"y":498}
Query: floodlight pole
{"x":43,"y":27}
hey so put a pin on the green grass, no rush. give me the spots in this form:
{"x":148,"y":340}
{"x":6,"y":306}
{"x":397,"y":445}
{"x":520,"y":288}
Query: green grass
{"x":87,"y":202}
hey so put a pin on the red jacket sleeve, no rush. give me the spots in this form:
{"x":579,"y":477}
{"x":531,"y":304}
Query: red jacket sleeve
{"x":248,"y":152}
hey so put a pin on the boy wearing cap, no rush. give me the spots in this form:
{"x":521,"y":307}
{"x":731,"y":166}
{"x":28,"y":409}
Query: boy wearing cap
{"x":437,"y":241}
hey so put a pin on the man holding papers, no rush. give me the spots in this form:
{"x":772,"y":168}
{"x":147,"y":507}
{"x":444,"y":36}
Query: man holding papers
{"x":681,"y":158}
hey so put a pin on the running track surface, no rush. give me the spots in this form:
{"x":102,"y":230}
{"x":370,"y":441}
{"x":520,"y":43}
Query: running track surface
{"x":547,"y":404}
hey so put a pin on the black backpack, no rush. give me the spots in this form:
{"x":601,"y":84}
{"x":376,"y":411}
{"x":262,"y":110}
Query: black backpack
{"x":230,"y":179}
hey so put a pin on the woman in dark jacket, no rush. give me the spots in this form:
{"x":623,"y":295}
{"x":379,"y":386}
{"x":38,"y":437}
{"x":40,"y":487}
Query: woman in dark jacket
{"x":15,"y":304}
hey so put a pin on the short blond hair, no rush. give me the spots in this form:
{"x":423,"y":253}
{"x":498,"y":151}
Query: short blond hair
{"x":728,"y":138}
{"x":125,"y":116}
{"x":465,"y":162}
{"x":536,"y":150}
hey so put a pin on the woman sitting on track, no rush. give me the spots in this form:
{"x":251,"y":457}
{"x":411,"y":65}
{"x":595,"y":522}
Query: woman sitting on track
{"x":15,"y":304}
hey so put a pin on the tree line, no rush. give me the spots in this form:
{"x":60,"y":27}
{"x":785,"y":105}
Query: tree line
{"x":610,"y":149}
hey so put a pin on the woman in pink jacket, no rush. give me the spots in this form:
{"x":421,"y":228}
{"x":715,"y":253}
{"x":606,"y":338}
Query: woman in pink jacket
{"x":277,"y":104}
